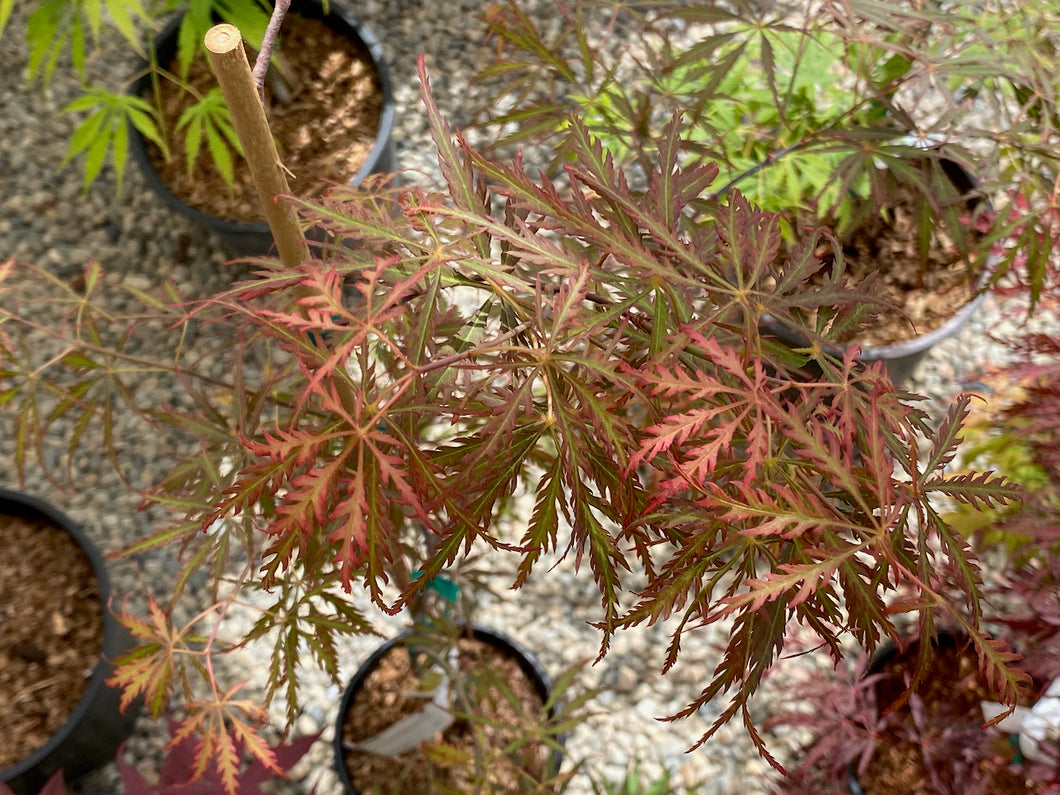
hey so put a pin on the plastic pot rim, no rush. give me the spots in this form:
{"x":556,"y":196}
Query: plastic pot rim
{"x":531,"y":667}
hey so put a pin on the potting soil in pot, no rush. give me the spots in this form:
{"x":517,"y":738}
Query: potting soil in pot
{"x":51,"y":632}
{"x":389,"y":694}
{"x":325,"y":130}
{"x":945,"y":714}
{"x":929,"y":290}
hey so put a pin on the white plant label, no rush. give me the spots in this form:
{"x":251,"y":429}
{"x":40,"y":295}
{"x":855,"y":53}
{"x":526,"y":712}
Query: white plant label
{"x":1035,"y":725}
{"x":408,"y":732}
{"x":412,"y":730}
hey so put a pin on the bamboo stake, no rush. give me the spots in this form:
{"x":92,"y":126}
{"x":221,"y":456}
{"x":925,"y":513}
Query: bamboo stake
{"x":224,"y":44}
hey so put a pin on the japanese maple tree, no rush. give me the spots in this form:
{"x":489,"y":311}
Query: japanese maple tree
{"x":591,"y":342}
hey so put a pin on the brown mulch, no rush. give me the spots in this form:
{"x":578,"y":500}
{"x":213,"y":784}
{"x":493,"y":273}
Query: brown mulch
{"x":946,"y":708}
{"x":324,"y":132}
{"x":929,"y":290}
{"x":51,"y":632}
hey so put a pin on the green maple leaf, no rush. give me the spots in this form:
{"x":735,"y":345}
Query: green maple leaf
{"x":209,"y":118}
{"x":59,"y":24}
{"x":106,"y":130}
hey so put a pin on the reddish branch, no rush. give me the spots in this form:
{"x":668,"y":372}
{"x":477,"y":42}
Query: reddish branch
{"x":261,"y":65}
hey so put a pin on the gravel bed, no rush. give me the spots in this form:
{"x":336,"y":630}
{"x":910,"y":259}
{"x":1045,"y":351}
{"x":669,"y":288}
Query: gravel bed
{"x":46,"y":219}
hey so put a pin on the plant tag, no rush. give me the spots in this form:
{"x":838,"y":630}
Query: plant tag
{"x":443,"y":586}
{"x":412,"y":730}
{"x":1040,"y":723}
{"x":408,"y":732}
{"x":1011,"y":723}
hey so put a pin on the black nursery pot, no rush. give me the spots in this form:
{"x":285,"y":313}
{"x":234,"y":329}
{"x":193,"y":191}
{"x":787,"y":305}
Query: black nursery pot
{"x":530,"y":666}
{"x":255,"y":239}
{"x":91,"y":735}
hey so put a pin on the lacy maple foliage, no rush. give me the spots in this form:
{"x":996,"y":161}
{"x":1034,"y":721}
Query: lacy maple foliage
{"x":1017,"y":436}
{"x":587,"y":342}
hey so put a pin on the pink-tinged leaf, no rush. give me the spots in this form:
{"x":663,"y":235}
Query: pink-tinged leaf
{"x":672,"y":432}
{"x":201,"y":746}
{"x":625,"y":213}
{"x":467,"y":194}
{"x":822,"y":449}
{"x":174,"y":777}
{"x":225,"y":756}
{"x":261,"y":752}
{"x":306,"y":505}
{"x":351,"y":530}
{"x":671,"y":188}
{"x":748,"y":241}
{"x":183,"y":772}
{"x":782,"y":511}
{"x":216,"y":722}
{"x":699,"y":462}
{"x":568,"y":301}
{"x":793,"y":584}
{"x":148,"y":669}
{"x":393,"y":471}
{"x":296,"y":445}
{"x":996,"y":660}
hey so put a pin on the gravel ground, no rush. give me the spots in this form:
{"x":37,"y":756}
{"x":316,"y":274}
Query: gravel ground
{"x":46,"y":219}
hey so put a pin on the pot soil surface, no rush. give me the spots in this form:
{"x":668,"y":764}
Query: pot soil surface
{"x":51,"y":632}
{"x":943,"y":721}
{"x":928,"y":290}
{"x":324,"y":130}
{"x":441,"y":764}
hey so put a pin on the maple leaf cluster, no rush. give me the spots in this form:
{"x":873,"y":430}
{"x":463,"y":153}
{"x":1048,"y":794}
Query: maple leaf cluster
{"x":1018,"y":436}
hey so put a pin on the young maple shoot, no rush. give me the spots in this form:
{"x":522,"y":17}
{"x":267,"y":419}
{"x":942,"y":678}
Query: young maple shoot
{"x":268,"y":41}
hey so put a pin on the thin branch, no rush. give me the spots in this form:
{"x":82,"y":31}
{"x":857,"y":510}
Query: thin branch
{"x":770,"y":159}
{"x":471,"y":353}
{"x":261,"y":64}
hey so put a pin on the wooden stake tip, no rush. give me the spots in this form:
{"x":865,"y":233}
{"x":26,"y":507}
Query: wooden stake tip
{"x":223,"y":38}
